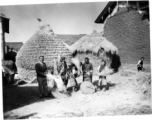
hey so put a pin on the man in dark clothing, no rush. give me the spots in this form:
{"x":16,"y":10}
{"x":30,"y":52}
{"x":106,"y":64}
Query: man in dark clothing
{"x":11,"y":55}
{"x":41,"y":70}
{"x":87,"y":69}
{"x":140,"y":64}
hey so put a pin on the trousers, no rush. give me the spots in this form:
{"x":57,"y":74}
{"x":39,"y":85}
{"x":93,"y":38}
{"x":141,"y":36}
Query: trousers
{"x":42,"y":83}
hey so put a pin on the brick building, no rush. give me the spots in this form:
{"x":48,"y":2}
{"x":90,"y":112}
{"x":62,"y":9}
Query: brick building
{"x":126,"y":25}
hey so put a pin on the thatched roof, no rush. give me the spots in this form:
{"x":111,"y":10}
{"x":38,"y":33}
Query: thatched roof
{"x":93,"y":43}
{"x":100,"y":47}
{"x":43,"y":43}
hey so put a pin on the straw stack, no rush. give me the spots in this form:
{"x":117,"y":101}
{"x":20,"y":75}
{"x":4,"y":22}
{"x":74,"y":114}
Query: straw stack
{"x":43,"y":43}
{"x":96,"y":47}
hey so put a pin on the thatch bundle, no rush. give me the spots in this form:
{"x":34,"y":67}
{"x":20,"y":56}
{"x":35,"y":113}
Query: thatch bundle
{"x":43,"y":43}
{"x":94,"y":43}
{"x":55,"y":81}
{"x":144,"y":84}
{"x":96,"y":47}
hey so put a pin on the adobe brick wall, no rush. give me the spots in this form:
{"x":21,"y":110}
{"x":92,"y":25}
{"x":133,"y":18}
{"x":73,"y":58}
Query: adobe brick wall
{"x":130,"y":34}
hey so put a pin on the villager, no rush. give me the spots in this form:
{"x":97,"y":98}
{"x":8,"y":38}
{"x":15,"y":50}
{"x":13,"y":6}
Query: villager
{"x":102,"y":83}
{"x":140,"y":64}
{"x":72,"y":74}
{"x":87,"y":69}
{"x":41,"y":70}
{"x":8,"y":71}
{"x":63,"y":70}
{"x":11,"y":55}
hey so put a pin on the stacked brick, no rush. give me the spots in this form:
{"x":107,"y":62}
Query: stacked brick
{"x":130,"y":33}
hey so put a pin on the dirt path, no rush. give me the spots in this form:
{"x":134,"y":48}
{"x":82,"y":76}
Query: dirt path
{"x":122,"y":98}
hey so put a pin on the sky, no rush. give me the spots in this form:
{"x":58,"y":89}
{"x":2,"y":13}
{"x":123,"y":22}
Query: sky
{"x":64,"y":18}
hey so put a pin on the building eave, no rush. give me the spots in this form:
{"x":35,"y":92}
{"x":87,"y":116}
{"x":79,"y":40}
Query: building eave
{"x":104,"y":14}
{"x":141,"y":5}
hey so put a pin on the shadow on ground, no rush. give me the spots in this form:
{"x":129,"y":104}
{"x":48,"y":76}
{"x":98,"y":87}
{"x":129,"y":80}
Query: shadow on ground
{"x":21,"y":117}
{"x":18,"y":96}
{"x":109,"y":84}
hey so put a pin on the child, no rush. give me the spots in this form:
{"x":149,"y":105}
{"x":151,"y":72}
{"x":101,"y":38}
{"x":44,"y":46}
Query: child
{"x":140,"y":64}
{"x":72,"y":73}
{"x":102,"y":83}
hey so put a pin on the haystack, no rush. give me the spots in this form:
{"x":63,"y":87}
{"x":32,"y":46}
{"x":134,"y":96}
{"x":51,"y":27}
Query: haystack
{"x":43,"y":43}
{"x":96,"y":47}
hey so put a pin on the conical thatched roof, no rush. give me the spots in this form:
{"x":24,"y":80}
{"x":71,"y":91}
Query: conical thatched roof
{"x":43,"y":43}
{"x":93,"y":43}
{"x":97,"y":45}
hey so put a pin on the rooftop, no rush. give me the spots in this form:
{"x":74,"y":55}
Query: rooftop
{"x":15,"y":45}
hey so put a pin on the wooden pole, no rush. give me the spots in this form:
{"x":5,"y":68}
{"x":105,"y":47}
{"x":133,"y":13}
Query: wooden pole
{"x":2,"y":39}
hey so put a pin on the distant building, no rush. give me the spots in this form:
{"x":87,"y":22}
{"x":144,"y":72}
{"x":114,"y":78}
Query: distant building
{"x":126,"y":25}
{"x":13,"y":45}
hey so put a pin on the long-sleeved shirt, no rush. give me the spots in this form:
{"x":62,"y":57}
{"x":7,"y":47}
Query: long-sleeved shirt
{"x":87,"y":67}
{"x":41,"y":68}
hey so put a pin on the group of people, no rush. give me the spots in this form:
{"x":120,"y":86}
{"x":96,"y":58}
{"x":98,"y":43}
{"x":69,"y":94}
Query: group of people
{"x":69,"y":73}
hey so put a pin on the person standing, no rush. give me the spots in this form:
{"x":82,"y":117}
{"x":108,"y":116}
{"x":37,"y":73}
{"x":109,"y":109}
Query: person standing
{"x":11,"y":55}
{"x":102,"y":83}
{"x":63,"y":71}
{"x":140,"y":64}
{"x":72,"y":74}
{"x":8,"y":72}
{"x":87,"y":69}
{"x":41,"y":70}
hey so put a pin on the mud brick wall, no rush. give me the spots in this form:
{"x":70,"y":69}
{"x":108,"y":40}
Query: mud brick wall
{"x":130,"y":34}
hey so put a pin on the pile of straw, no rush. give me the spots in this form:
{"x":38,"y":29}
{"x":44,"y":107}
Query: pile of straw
{"x":144,"y":85}
{"x":94,"y":43}
{"x":96,"y":47}
{"x":43,"y":43}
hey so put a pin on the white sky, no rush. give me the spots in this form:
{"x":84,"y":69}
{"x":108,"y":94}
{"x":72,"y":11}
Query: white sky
{"x":64,"y":18}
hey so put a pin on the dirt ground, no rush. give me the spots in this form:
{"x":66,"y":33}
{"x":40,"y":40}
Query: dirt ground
{"x":124,"y":97}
